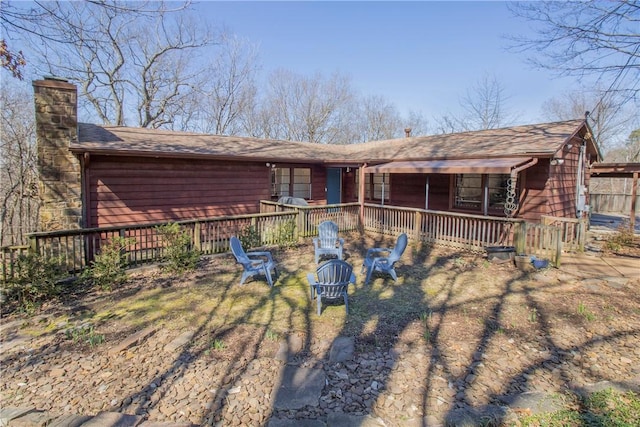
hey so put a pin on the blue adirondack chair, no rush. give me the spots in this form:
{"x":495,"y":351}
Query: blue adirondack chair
{"x":383,"y":259}
{"x":328,"y":243}
{"x":331,"y":282}
{"x":254,"y":263}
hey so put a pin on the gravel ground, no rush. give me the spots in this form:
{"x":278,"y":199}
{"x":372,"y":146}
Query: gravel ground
{"x":482,"y":334}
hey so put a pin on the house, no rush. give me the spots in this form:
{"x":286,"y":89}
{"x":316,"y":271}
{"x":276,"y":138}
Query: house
{"x":98,"y":176}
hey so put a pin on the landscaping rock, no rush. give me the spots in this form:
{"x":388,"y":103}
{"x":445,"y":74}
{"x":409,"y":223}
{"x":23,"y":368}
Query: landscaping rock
{"x":342,"y":349}
{"x":298,"y":387}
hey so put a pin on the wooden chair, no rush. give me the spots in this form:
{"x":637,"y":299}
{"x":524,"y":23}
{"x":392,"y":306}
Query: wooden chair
{"x":331,"y":283}
{"x":328,"y":243}
{"x":254,"y":263}
{"x":383,"y":259}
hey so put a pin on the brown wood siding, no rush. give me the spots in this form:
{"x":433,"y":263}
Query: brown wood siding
{"x":318,"y":184}
{"x":534,"y":192}
{"x":131,"y":190}
{"x":349,"y":190}
{"x":562,"y":182}
{"x":407,"y":190}
{"x":439,"y":192}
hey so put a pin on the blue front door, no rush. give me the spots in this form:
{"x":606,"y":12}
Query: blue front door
{"x":334,"y":184}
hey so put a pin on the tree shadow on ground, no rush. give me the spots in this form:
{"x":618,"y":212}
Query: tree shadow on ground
{"x":465,"y":329}
{"x":385,"y":311}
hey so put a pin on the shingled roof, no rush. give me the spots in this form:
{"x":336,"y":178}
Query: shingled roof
{"x":119,"y":140}
{"x":537,"y":140}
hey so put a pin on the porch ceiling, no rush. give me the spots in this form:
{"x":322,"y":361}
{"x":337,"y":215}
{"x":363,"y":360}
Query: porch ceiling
{"x":500,"y":165}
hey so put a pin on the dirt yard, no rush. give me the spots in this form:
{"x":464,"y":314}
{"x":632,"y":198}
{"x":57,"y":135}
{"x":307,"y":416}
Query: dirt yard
{"x":472,"y":332}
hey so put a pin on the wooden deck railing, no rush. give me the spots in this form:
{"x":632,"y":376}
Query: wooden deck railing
{"x":346,"y":215}
{"x":10,"y":256}
{"x":76,"y":248}
{"x":472,"y":232}
{"x":573,"y":231}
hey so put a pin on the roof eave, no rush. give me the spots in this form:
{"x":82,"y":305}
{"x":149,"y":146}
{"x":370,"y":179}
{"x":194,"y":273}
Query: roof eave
{"x":194,"y":156}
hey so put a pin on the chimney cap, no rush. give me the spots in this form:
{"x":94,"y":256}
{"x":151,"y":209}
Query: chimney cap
{"x":56,"y":78}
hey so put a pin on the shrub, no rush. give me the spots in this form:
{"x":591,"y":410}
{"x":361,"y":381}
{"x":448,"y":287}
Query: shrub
{"x":35,"y":280}
{"x":282,"y":233}
{"x":287,"y":233}
{"x":108,"y":268}
{"x":85,"y":334}
{"x":250,"y":237}
{"x":178,"y":251}
{"x":623,"y":237}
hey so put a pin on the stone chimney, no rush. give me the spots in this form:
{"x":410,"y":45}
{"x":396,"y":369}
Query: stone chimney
{"x":59,"y":170}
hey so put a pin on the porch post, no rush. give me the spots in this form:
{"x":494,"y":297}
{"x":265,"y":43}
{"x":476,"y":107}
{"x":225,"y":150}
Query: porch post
{"x":361,"y":194}
{"x":383,"y":188}
{"x":634,"y":196}
{"x":520,"y":237}
{"x":426,"y":194}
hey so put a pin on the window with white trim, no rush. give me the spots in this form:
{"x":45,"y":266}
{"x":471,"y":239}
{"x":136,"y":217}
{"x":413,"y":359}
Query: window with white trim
{"x":473,"y":191}
{"x":375,"y":184}
{"x":468,"y":191}
{"x":294,"y":182}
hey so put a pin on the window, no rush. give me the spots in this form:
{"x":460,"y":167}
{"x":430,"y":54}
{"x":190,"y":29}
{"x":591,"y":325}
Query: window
{"x":374,"y":183}
{"x":479,"y":192}
{"x":468,"y":191}
{"x":280,"y":178}
{"x":294,"y":182}
{"x":302,"y":183}
{"x":497,"y":186}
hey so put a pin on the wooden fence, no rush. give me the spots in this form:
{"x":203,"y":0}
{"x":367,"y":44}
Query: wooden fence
{"x":277,"y":224}
{"x":611,"y":203}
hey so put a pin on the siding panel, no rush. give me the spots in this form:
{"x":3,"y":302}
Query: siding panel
{"x":129,"y":191}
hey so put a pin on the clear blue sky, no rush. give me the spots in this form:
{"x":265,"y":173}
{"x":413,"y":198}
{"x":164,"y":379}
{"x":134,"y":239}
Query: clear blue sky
{"x":421,"y":56}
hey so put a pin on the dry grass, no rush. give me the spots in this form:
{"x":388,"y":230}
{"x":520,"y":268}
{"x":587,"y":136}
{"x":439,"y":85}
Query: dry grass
{"x":440,"y":293}
{"x":454,"y":311}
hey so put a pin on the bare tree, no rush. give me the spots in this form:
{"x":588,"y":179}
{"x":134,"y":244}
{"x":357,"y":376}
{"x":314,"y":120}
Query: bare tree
{"x":378,"y":119}
{"x":609,"y":121}
{"x":228,"y":91}
{"x":449,"y":123}
{"x":11,"y":61}
{"x":15,"y":21}
{"x":132,"y":61}
{"x":41,"y":20}
{"x":308,"y":108}
{"x":258,"y":122}
{"x":586,"y":39}
{"x":633,"y":146}
{"x":484,"y":106}
{"x":418,"y":124}
{"x":18,"y":171}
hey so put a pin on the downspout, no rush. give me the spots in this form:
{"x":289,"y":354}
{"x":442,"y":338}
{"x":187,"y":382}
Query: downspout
{"x":516,"y":171}
{"x":580,"y":181}
{"x":511,"y":207}
{"x":361,"y":194}
{"x":85,"y":183}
